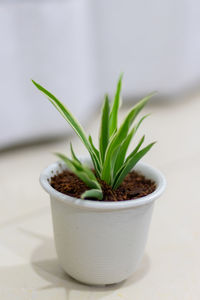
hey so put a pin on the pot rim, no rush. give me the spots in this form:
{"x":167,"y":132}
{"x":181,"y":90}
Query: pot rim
{"x":147,"y":170}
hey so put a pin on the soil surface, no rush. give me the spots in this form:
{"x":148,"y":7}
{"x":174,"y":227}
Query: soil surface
{"x":134,"y":186}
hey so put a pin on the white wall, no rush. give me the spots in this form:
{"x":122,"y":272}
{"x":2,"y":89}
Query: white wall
{"x":77,"y":48}
{"x":49,"y":41}
{"x":156,"y":43}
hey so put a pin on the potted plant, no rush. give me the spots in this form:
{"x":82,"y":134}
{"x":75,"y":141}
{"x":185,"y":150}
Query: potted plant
{"x":101,"y":207}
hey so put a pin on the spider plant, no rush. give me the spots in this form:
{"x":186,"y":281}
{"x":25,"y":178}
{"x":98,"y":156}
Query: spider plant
{"x":111,"y":162}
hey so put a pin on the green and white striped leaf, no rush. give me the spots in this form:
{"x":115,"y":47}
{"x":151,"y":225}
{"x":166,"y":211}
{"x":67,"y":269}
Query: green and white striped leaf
{"x":67,"y":161}
{"x":136,"y":148}
{"x":119,"y":137}
{"x":93,"y":194}
{"x":110,"y":162}
{"x":96,"y":191}
{"x":115,"y":107}
{"x":82,"y":171}
{"x":124,"y":147}
{"x":104,"y":129}
{"x":72,"y":122}
{"x":65,"y":113}
{"x":127,"y":167}
{"x":95,"y":150}
{"x":73,"y":154}
{"x":122,"y":152}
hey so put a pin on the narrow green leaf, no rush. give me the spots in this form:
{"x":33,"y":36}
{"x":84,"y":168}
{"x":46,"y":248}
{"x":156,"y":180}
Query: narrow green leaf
{"x":104,"y":129}
{"x":120,"y":135}
{"x":96,"y":184}
{"x":115,"y":154}
{"x":130,"y":164}
{"x":65,"y":113}
{"x":73,"y":123}
{"x":93,"y":194}
{"x":96,"y":163}
{"x":122,"y":151}
{"x":84,"y":177}
{"x":67,"y":161}
{"x":140,"y":121}
{"x":134,"y":112}
{"x":96,"y":191}
{"x":87,"y":172}
{"x":73,"y":154}
{"x":115,"y":107}
{"x":94,"y":148}
{"x":82,"y":171}
{"x":106,"y":167}
{"x":124,"y":147}
{"x":136,"y":148}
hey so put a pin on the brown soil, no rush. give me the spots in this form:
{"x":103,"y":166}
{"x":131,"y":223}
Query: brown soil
{"x":134,"y":186}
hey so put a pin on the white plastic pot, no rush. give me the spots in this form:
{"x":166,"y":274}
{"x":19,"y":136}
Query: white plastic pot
{"x":101,"y":242}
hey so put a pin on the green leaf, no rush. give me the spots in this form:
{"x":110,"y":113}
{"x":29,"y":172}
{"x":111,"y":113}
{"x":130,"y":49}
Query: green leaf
{"x":93,"y":194}
{"x":65,"y":113}
{"x":119,"y":137}
{"x":82,"y":171}
{"x":73,"y":154}
{"x":133,"y":114}
{"x":124,"y":147}
{"x":104,"y":129}
{"x":122,"y":152}
{"x":130,"y":164}
{"x":115,"y":154}
{"x":73,"y":123}
{"x":96,"y":163}
{"x":115,"y":108}
{"x":67,"y":161}
{"x":80,"y":166}
{"x":85,"y":178}
{"x":88,"y":178}
{"x":95,"y":158}
{"x":140,"y":121}
{"x":94,"y":148}
{"x":136,"y":148}
{"x":109,"y":161}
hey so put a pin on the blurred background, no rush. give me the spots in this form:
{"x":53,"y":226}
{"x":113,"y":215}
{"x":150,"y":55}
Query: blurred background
{"x":77,"y":49}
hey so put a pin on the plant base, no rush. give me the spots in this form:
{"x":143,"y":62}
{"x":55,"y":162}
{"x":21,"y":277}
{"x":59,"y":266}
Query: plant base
{"x":134,"y":186}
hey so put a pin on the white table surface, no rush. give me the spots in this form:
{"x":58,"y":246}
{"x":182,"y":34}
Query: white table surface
{"x":171,"y":265}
